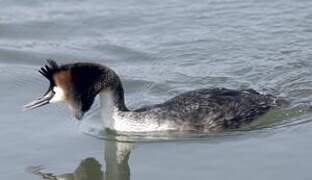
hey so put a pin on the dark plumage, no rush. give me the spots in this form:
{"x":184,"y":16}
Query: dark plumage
{"x":213,"y":109}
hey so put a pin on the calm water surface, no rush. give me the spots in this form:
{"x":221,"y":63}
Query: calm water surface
{"x":159,"y":49}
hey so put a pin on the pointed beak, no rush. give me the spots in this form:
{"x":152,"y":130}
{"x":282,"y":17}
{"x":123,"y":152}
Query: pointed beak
{"x":39,"y":102}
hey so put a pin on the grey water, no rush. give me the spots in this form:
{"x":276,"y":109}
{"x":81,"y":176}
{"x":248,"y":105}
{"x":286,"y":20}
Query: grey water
{"x":159,"y":49}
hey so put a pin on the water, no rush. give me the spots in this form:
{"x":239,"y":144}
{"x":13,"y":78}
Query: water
{"x":159,"y":49}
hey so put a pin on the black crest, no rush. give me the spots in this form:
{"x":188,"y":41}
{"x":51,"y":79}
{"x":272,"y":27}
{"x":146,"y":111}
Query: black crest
{"x":49,"y":69}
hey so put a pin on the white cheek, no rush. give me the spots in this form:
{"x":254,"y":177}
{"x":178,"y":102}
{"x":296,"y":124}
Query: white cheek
{"x":58,"y":96}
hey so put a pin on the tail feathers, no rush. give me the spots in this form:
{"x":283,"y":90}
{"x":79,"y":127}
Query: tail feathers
{"x":278,"y":101}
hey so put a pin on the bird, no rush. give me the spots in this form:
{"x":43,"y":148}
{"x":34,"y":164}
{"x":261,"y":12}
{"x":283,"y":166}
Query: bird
{"x":205,"y":110}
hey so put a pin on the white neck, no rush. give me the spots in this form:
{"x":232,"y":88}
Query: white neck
{"x":128,"y":121}
{"x":107,"y":108}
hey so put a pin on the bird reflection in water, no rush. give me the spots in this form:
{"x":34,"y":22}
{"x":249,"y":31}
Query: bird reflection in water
{"x":116,"y":165}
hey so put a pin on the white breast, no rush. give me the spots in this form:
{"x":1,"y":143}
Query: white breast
{"x":133,"y":122}
{"x":129,"y":121}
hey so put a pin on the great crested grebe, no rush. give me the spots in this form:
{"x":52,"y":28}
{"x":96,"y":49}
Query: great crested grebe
{"x":209,"y":110}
